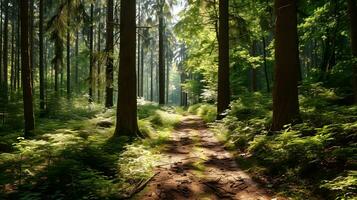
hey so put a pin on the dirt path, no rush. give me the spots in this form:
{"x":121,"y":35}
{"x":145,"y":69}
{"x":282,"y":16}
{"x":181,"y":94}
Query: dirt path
{"x":198,"y":167}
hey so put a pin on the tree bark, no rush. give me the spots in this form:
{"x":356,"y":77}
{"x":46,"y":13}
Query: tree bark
{"x":223,"y":98}
{"x":41,"y":60}
{"x":353,"y":17}
{"x":68,"y":49}
{"x":26,"y":69}
{"x":285,"y":93}
{"x":5,"y":50}
{"x":265,"y":65}
{"x":91,"y":57}
{"x":76,"y":75}
{"x":127,"y":124}
{"x":110,"y":51}
{"x":161,"y":55}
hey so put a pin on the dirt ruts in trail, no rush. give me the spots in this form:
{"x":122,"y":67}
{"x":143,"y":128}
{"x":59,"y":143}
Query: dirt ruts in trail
{"x":198,"y":167}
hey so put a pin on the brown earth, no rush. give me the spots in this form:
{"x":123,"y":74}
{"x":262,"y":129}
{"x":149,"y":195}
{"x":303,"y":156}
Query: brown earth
{"x":196,"y":166}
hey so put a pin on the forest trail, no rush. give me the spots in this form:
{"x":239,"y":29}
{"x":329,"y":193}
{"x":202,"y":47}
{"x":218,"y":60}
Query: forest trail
{"x":196,"y":166}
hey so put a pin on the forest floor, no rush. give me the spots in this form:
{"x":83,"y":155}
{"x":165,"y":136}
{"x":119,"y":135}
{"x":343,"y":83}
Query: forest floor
{"x":195,"y":165}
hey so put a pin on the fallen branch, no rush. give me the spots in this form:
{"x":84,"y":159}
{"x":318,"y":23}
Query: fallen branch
{"x":140,"y":186}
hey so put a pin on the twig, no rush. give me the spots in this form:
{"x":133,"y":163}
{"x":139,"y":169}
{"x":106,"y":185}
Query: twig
{"x":142,"y":184}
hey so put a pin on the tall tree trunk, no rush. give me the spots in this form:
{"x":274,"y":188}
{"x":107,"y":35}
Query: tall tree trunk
{"x":353,"y":17}
{"x":139,"y":50}
{"x":161,"y":54}
{"x":32,"y":41}
{"x":127,"y":124}
{"x":223,"y":98}
{"x":5,"y":50}
{"x":1,"y":39}
{"x":152,"y":74}
{"x":26,"y":70}
{"x":41,"y":53}
{"x":285,"y":93}
{"x":110,"y":51}
{"x":265,"y":64}
{"x":99,"y":62}
{"x":142,"y":72}
{"x":254,"y":70}
{"x":76,"y":78}
{"x":13,"y":80}
{"x":91,"y":57}
{"x":18,"y":43}
{"x":68,"y":49}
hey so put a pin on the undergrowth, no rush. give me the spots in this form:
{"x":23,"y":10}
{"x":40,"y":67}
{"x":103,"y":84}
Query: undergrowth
{"x":313,"y":158}
{"x":72,"y":157}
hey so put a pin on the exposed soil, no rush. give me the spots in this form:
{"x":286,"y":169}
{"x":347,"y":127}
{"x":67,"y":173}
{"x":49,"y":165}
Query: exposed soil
{"x":198,"y":167}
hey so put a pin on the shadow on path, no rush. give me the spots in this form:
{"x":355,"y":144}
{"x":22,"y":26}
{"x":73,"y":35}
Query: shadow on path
{"x":196,"y":166}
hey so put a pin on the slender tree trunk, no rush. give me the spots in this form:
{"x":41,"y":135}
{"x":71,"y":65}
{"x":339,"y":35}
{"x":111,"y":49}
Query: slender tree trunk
{"x":68,"y":49}
{"x":91,"y":57}
{"x":127,"y":124}
{"x":285,"y":94}
{"x":110,"y":51}
{"x":13,"y":80}
{"x":161,"y":55}
{"x":265,"y":64}
{"x":138,"y":53}
{"x":353,"y":17}
{"x":142,"y":72}
{"x":26,"y":69}
{"x":1,"y":39}
{"x":151,"y":74}
{"x":254,"y":70}
{"x":32,"y":39}
{"x":99,"y":60}
{"x":223,"y":98}
{"x":41,"y":53}
{"x":18,"y":45}
{"x":167,"y":77}
{"x":5,"y":50}
{"x":76,"y":78}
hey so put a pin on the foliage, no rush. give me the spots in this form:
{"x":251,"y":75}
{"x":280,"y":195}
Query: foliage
{"x":72,"y":157}
{"x":306,"y":154}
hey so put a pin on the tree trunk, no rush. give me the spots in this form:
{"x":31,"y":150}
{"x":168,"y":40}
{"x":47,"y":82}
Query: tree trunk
{"x":68,"y":49}
{"x":99,"y":96}
{"x":110,"y":51}
{"x":5,"y":51}
{"x":353,"y":17}
{"x":285,"y":93}
{"x":76,"y":78}
{"x":127,"y":124}
{"x":223,"y":98}
{"x":161,"y":55}
{"x":26,"y":70}
{"x":32,"y":41}
{"x":41,"y":53}
{"x":91,"y":57}
{"x":152,"y":74}
{"x":265,"y":65}
{"x":142,"y":72}
{"x":12,"y":79}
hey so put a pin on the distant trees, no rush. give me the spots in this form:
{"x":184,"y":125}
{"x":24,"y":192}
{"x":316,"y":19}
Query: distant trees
{"x":127,"y":124}
{"x":353,"y":18}
{"x":26,"y":69}
{"x":223,"y":98}
{"x":285,"y":93}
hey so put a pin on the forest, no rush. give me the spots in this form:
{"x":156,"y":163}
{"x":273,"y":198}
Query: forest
{"x":178,"y":99}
